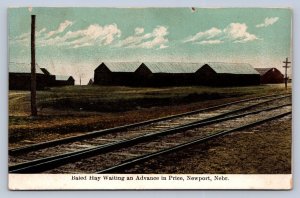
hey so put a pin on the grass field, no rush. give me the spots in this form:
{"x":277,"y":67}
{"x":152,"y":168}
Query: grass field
{"x":115,"y":99}
{"x":77,"y":109}
{"x":68,"y":111}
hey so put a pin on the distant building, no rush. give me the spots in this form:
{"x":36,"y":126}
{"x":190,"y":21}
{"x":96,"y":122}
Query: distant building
{"x":57,"y":80}
{"x":227,"y":74}
{"x":166,"y":73}
{"x":270,"y":75}
{"x":175,"y":74}
{"x":63,"y":81}
{"x":91,"y":81}
{"x":20,"y":77}
{"x":50,"y":77}
{"x":115,"y":73}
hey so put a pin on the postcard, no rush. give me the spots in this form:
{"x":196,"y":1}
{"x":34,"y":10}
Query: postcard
{"x":150,"y":98}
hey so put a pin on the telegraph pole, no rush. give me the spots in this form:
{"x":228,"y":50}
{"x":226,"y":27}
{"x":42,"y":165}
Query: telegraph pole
{"x":33,"y":73}
{"x":286,"y":62}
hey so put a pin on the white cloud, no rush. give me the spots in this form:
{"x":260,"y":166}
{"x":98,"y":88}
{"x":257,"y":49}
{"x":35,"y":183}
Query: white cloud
{"x":38,"y":33}
{"x":213,"y":32}
{"x":60,"y":29}
{"x":139,"y":30}
{"x":92,"y":35}
{"x":96,"y":35}
{"x":24,"y":38}
{"x":162,"y":46}
{"x":82,"y":45}
{"x":155,"y":39}
{"x":268,"y":21}
{"x":234,"y":32}
{"x":211,"y":42}
{"x":237,"y":32}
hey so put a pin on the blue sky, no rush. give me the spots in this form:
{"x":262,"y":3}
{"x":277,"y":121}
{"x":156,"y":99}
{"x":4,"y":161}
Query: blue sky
{"x":75,"y":40}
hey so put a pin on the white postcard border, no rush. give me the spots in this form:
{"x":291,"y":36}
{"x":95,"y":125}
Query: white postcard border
{"x":148,"y":181}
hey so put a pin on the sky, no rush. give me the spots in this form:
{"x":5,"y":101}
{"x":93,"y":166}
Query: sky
{"x":74,"y":41}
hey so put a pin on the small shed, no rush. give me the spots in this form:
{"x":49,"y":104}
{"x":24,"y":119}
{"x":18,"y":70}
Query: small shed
{"x":91,"y":82}
{"x":20,"y":77}
{"x":57,"y":80}
{"x":270,"y":75}
{"x":115,"y":73}
{"x":50,"y":78}
{"x":166,"y":73}
{"x":227,"y":74}
{"x":61,"y":80}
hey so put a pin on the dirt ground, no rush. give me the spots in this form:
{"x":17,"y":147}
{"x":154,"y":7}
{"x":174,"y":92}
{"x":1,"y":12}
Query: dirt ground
{"x":54,"y":123}
{"x":264,"y":149}
{"x":23,"y":129}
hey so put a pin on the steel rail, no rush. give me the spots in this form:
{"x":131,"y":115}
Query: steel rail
{"x":195,"y":122}
{"x":131,"y":162}
{"x":49,"y":163}
{"x":92,"y":134}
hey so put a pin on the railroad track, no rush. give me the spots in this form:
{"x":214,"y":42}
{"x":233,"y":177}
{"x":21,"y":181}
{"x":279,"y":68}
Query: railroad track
{"x":130,"y":163}
{"x":154,"y":124}
{"x":181,"y":129}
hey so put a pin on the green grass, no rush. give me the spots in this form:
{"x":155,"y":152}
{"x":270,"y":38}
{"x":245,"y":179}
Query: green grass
{"x":85,"y":108}
{"x":117,"y":98}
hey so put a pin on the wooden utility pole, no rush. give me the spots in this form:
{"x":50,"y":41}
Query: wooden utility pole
{"x":285,"y":76}
{"x":33,"y":74}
